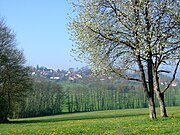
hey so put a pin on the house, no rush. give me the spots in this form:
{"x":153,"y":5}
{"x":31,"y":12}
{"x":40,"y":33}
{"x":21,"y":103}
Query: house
{"x":174,"y":84}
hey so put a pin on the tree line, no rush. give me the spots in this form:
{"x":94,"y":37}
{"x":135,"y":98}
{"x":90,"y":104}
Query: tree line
{"x":52,"y":97}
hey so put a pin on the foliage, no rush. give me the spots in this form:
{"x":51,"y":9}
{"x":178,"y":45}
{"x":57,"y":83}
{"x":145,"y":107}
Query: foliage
{"x":14,"y":76}
{"x":129,"y":121}
{"x":46,"y":98}
{"x":111,"y":34}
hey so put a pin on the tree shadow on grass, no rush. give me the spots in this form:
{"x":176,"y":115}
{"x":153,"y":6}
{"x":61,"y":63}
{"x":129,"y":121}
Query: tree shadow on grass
{"x":85,"y":117}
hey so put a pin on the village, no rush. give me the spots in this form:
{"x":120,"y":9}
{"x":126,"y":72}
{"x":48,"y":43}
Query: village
{"x":83,"y":73}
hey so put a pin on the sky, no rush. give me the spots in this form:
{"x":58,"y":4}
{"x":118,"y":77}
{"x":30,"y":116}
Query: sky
{"x":41,"y":31}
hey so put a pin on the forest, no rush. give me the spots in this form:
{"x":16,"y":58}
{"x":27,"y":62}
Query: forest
{"x":49,"y":97}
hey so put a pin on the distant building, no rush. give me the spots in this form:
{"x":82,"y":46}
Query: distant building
{"x":174,"y":84}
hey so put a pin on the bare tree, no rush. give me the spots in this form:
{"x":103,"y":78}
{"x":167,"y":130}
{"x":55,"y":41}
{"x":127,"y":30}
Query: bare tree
{"x":129,"y":36}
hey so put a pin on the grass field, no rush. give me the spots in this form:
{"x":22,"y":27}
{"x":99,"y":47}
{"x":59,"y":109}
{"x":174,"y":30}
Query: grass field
{"x":114,"y":122}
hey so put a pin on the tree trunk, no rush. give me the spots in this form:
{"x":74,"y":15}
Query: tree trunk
{"x":152,"y":110}
{"x":149,"y":93}
{"x":3,"y":119}
{"x":160,"y":97}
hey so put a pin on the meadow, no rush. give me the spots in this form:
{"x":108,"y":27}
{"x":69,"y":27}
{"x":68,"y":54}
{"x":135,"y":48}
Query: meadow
{"x":109,"y":122}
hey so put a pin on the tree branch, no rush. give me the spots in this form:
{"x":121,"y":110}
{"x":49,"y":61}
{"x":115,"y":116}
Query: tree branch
{"x":125,"y":76}
{"x":111,"y":39}
{"x":173,"y":78}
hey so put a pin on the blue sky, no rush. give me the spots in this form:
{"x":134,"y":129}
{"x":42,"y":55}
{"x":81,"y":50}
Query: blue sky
{"x":40,"y":27}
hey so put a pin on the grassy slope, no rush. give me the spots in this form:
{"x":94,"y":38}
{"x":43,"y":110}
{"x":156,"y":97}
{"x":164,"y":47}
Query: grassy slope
{"x":130,"y":121}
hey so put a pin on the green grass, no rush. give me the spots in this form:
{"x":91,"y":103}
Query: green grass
{"x":129,"y":121}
